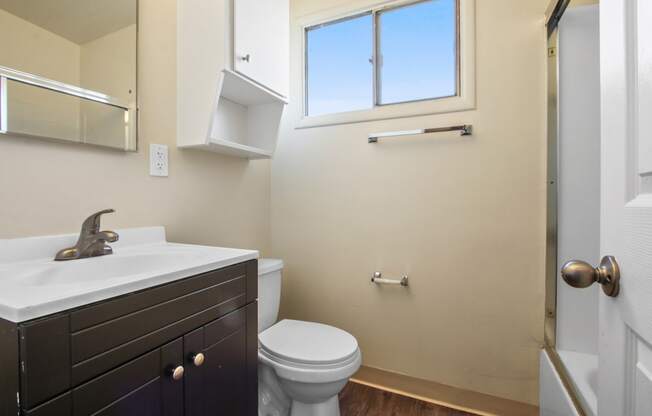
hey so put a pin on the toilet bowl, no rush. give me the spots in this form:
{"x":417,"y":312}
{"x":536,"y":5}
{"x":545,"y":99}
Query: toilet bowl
{"x":303,"y":365}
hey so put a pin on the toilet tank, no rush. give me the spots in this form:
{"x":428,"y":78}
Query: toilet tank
{"x":269,"y":292}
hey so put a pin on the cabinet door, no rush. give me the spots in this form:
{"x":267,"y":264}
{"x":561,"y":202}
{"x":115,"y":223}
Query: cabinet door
{"x":225,"y":376}
{"x":262,"y":42}
{"x":142,"y":387}
{"x":218,"y":385}
{"x":162,"y":396}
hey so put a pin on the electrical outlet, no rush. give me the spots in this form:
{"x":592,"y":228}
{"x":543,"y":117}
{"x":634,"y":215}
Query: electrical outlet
{"x":158,"y":160}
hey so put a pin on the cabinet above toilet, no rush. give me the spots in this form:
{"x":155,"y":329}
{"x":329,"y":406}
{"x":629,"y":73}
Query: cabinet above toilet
{"x":232,"y":75}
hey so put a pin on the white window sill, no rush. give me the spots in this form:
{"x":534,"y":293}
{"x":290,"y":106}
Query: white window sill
{"x":391,"y":111}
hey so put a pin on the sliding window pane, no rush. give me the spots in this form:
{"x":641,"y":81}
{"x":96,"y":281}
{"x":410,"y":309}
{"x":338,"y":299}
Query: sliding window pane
{"x":339,"y":71}
{"x":418,"y":48}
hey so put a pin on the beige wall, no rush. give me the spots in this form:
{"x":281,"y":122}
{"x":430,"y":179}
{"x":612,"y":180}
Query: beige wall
{"x":463,"y":217}
{"x":49,"y":188}
{"x":108,"y":65}
{"x":37,"y":111}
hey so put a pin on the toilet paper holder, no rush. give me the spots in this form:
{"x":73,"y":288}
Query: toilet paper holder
{"x":378,"y":279}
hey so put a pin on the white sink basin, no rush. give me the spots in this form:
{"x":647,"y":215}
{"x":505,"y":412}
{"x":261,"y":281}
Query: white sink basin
{"x":103,"y":269}
{"x":33,"y":285}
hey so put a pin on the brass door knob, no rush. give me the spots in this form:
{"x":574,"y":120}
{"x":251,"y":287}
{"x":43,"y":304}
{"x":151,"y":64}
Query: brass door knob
{"x":197,"y":359}
{"x":581,"y":274}
{"x":176,"y":373}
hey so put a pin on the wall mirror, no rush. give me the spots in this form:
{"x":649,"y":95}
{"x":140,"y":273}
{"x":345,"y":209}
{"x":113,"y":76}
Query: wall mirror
{"x":68,"y":70}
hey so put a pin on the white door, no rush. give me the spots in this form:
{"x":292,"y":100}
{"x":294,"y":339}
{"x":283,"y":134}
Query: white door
{"x":262,"y":42}
{"x":625,"y":339}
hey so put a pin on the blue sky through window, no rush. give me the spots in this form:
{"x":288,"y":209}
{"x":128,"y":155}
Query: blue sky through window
{"x":340,"y":76}
{"x":418,"y":58}
{"x":418,"y":48}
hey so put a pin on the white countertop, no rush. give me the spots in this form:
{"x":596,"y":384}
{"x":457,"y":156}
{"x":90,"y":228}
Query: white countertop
{"x":33,"y":285}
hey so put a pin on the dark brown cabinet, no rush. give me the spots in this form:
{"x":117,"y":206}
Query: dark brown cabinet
{"x":217,"y":386}
{"x":188,"y":348}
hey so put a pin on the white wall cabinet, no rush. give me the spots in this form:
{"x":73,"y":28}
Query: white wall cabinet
{"x":232,"y":75}
{"x":261,"y":42}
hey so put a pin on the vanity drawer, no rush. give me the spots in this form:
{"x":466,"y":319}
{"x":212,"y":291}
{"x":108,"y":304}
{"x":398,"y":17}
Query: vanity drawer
{"x":104,"y":311}
{"x":90,"y":368}
{"x":141,"y":387}
{"x":98,"y":339}
{"x":62,"y":352}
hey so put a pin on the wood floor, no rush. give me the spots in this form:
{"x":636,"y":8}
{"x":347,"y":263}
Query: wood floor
{"x":360,"y":400}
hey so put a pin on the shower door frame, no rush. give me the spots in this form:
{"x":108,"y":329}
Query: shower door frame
{"x":554,"y":14}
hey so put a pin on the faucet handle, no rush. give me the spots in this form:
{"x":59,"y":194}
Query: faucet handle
{"x":92,"y":223}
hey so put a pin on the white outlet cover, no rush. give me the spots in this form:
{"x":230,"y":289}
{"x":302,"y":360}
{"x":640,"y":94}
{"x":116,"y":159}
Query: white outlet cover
{"x":158,"y":160}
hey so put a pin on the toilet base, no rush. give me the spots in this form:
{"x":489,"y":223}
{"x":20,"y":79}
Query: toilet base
{"x":330,"y":407}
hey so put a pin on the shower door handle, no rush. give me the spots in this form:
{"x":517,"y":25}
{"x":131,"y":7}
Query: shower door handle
{"x":581,"y":274}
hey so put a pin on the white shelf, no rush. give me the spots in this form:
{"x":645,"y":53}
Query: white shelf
{"x":237,"y":149}
{"x":227,"y":147}
{"x":242,"y":90}
{"x":245,"y":119}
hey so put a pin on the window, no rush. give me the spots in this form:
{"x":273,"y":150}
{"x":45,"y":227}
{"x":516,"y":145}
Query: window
{"x":417,"y":52}
{"x":340,"y":77}
{"x":402,"y":53}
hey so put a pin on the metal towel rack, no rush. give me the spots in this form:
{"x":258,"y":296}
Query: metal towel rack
{"x":465,"y":130}
{"x":378,"y":279}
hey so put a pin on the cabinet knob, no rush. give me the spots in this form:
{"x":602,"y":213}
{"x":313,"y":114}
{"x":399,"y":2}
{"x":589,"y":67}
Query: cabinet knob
{"x":176,"y":373}
{"x":246,"y":58}
{"x":198,"y":359}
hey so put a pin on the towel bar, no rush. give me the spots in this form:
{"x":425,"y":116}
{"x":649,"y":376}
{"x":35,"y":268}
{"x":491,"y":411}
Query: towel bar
{"x":465,"y":130}
{"x":378,"y":279}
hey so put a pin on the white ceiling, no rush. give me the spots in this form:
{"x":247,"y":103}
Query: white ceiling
{"x":79,"y":21}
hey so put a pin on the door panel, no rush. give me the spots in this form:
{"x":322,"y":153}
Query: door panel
{"x":225,"y":376}
{"x":641,"y":376}
{"x":625,"y":379}
{"x":262,"y":42}
{"x":643,"y":58}
{"x":217,"y":386}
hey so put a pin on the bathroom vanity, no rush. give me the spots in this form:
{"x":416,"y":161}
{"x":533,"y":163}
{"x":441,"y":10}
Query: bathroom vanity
{"x":167,"y":329}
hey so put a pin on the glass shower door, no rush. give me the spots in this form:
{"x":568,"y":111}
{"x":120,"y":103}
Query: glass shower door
{"x":571,"y":326}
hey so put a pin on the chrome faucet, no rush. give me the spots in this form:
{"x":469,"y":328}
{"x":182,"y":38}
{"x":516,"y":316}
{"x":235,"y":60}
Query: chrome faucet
{"x":92,"y":242}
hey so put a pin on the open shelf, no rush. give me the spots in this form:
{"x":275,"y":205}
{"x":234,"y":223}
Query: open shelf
{"x":244,"y":121}
{"x":242,"y":90}
{"x":230,"y":148}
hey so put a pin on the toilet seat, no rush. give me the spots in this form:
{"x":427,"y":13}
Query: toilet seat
{"x":309,"y":352}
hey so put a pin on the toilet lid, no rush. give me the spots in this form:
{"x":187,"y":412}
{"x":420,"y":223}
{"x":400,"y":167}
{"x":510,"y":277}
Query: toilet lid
{"x":308,"y":342}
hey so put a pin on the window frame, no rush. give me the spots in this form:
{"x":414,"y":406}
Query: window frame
{"x":463,"y":100}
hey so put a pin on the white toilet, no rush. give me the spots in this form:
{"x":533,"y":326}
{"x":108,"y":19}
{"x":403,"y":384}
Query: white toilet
{"x":302,"y":365}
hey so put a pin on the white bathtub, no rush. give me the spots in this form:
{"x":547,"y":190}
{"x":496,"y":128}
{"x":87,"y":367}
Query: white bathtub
{"x":554,"y":400}
{"x":583,"y":371}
